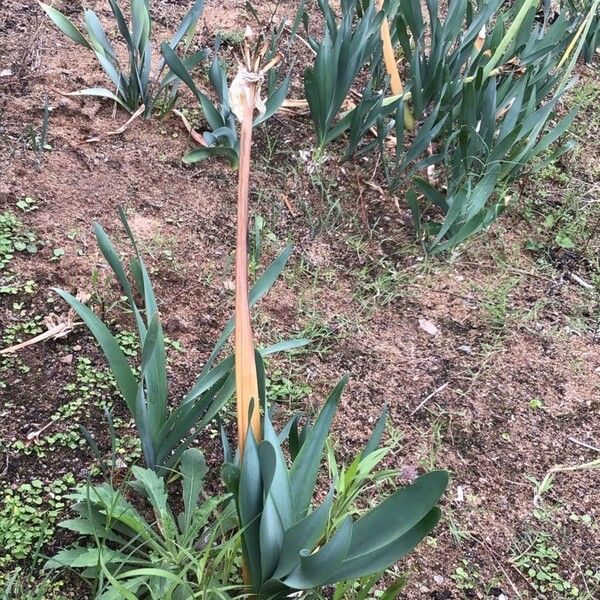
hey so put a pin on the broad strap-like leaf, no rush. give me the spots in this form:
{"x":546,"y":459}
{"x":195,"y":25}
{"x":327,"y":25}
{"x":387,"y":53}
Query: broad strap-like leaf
{"x":200,"y":415}
{"x":187,"y":23}
{"x":316,"y":568}
{"x":112,"y":258}
{"x":384,"y":557}
{"x":200,"y":154}
{"x":285,"y":346}
{"x":156,"y":373}
{"x":304,"y":535}
{"x":65,"y":25}
{"x":278,"y":511}
{"x":214,"y":118}
{"x":274,"y":101}
{"x":193,"y":469}
{"x":121,"y":23}
{"x":98,"y":36}
{"x":189,"y":62}
{"x":250,"y":506}
{"x":271,"y":525}
{"x":397,"y":514}
{"x":119,"y":366}
{"x":305,"y":468}
{"x":140,"y":21}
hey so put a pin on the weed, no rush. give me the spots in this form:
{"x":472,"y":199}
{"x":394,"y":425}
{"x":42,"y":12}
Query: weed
{"x":57,"y":254}
{"x":28,"y":515}
{"x":283,"y":390}
{"x":538,"y":561}
{"x":379,"y":283}
{"x":38,"y":141}
{"x":466,"y":575}
{"x":26,"y":584}
{"x":14,"y":237}
{"x":27,"y":204}
{"x":496,"y":303}
{"x":19,"y":332}
{"x":535,"y":404}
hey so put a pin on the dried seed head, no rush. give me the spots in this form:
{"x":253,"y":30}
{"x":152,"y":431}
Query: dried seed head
{"x":239,"y":92}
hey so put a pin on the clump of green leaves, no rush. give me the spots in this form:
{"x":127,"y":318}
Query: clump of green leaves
{"x":485,"y":106}
{"x":287,"y":547}
{"x":135,"y":85}
{"x":222,"y":139}
{"x":165,"y":432}
{"x":153,"y":551}
{"x":579,"y":8}
{"x":498,"y":125}
{"x":344,"y":50}
{"x":26,"y":584}
{"x":539,"y":563}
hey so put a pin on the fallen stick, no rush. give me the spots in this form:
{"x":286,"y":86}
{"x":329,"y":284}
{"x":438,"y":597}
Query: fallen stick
{"x":441,"y":388}
{"x":197,"y":137}
{"x":118,"y":131}
{"x":58,"y":327}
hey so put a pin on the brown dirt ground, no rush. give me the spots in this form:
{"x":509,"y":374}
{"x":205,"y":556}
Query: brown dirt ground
{"x":512,"y":328}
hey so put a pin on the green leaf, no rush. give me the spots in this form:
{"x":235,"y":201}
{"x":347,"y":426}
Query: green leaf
{"x":383,"y":557}
{"x":316,"y":568}
{"x":278,"y":509}
{"x":375,"y":438}
{"x":285,"y":346}
{"x":397,"y":514}
{"x":98,"y":36}
{"x":250,"y":506}
{"x":88,"y":527}
{"x":304,"y":535}
{"x":140,"y":21}
{"x":193,"y":470}
{"x":200,"y":154}
{"x":212,"y":115}
{"x":259,"y":289}
{"x":187,"y":23}
{"x":304,"y":470}
{"x":65,"y":25}
{"x":114,"y":355}
{"x":274,"y":101}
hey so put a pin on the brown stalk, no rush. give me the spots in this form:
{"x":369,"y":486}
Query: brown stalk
{"x":391,"y":67}
{"x":245,"y":365}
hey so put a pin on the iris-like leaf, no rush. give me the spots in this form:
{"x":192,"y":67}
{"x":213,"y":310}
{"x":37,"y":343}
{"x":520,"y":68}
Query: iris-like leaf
{"x":397,"y":514}
{"x":250,"y":505}
{"x":98,"y":35}
{"x":65,"y":25}
{"x":315,"y":569}
{"x":114,"y":355}
{"x":304,"y":470}
{"x":383,"y":557}
{"x":212,"y":115}
{"x":304,"y":535}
